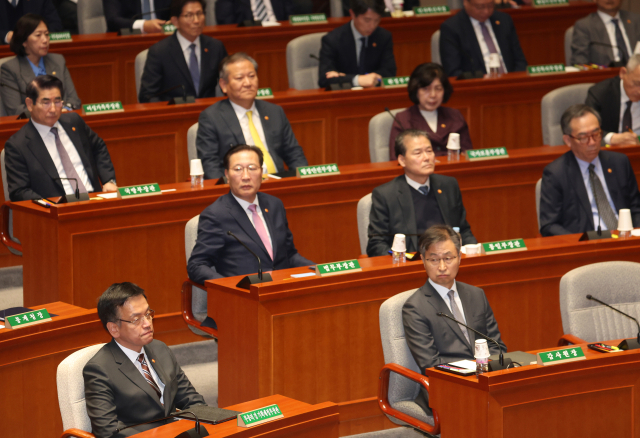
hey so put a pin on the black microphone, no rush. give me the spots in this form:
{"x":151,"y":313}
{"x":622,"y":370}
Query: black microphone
{"x":395,"y":119}
{"x":71,"y":198}
{"x":501,"y":359}
{"x":71,"y":179}
{"x":196,"y":432}
{"x":183,"y":99}
{"x":247,"y":281}
{"x":312,"y":56}
{"x":611,"y":46}
{"x":627,"y":344}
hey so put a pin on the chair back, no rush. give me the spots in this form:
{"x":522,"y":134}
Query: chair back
{"x":91,"y":17}
{"x":198,"y":296}
{"x":538,"y":188}
{"x":192,"y":134}
{"x":379,"y":133}
{"x":454,"y":4}
{"x":210,"y":13}
{"x":336,"y":8}
{"x":615,"y":283}
{"x":190,"y":235}
{"x":568,"y":37}
{"x":5,"y":188}
{"x":435,"y":47}
{"x":554,"y":104}
{"x":141,"y":60}
{"x":363,"y":211}
{"x":3,"y":112}
{"x":71,"y":389}
{"x":302,"y":68}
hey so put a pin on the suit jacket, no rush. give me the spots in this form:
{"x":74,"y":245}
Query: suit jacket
{"x":449,"y":120}
{"x":121,"y":14}
{"x":564,"y":202}
{"x":435,"y":340}
{"x":166,"y":68}
{"x":219,"y":130}
{"x":30,"y":169}
{"x":17,"y":73}
{"x":460,"y":50}
{"x":237,"y":11}
{"x":338,"y":53}
{"x":591,"y":29}
{"x":117,"y":395}
{"x":392,"y":212}
{"x":605,"y":97}
{"x":45,"y":8}
{"x":217,"y":254}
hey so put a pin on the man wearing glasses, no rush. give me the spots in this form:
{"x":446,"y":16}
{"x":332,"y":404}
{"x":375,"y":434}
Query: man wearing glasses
{"x":435,"y":340}
{"x":585,"y":188}
{"x":257,"y":219}
{"x":186,"y":63}
{"x":133,"y":378}
{"x":55,"y":154}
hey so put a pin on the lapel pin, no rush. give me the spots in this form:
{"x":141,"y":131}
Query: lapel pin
{"x":443,"y":125}
{"x":73,"y":128}
{"x":498,"y":22}
{"x":206,"y":50}
{"x":375,"y":45}
{"x":266,"y":117}
{"x":53,"y":73}
{"x":609,"y":170}
{"x":439,"y":191}
{"x":629,"y":21}
{"x":266,"y":210}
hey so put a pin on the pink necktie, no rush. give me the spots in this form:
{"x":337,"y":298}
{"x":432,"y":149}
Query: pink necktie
{"x":262,"y":231}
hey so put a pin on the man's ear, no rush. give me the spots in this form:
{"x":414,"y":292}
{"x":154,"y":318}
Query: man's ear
{"x":174,"y":21}
{"x":566,"y":139}
{"x":223,"y":85}
{"x":114,"y":330}
{"x":29,"y":103}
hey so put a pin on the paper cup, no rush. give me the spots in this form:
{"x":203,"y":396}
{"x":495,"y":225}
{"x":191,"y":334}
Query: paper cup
{"x":482,"y":349}
{"x":624,"y":220}
{"x":196,"y":167}
{"x":454,"y":141}
{"x":494,"y":60}
{"x":399,"y":243}
{"x":472,"y":248}
{"x":637,"y":49}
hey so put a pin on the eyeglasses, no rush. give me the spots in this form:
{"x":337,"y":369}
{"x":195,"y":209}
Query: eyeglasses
{"x":436,"y":262}
{"x":137,"y":321}
{"x":46,"y":103}
{"x":238,"y":170}
{"x":584,"y":139}
{"x":190,"y":16}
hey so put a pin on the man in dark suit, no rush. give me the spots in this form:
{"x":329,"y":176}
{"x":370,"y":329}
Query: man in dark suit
{"x":618,"y":101}
{"x":10,"y":13}
{"x":415,"y":201}
{"x":585,"y":188}
{"x":241,"y":119}
{"x":237,"y":11}
{"x":183,"y":58}
{"x":435,"y":340}
{"x":468,"y":39}
{"x":53,"y":146}
{"x":359,"y":51}
{"x":604,"y":37}
{"x":257,"y":219}
{"x":146,"y":15}
{"x":133,"y":378}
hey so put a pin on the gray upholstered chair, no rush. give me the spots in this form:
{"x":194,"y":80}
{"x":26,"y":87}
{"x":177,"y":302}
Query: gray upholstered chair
{"x":379,"y":132}
{"x":364,"y":208}
{"x":454,"y":4}
{"x":75,"y":421}
{"x":301,"y":67}
{"x":400,"y":378}
{"x":538,"y":188}
{"x":141,"y":60}
{"x":210,"y":13}
{"x":554,"y":103}
{"x":435,"y":47}
{"x":91,"y":17}
{"x":12,"y":243}
{"x":3,"y":112}
{"x":568,"y":36}
{"x":336,"y":8}
{"x":615,"y":283}
{"x":192,"y":134}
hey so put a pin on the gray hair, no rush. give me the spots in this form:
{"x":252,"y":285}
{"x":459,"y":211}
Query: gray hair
{"x":437,"y":234}
{"x":232,"y":59}
{"x":575,"y":112}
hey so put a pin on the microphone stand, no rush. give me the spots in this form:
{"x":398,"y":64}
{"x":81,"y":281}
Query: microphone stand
{"x":247,"y":281}
{"x":627,"y":344}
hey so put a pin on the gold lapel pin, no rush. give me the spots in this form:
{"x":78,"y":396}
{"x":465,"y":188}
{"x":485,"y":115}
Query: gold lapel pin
{"x":266,"y":210}
{"x":73,"y":128}
{"x":266,"y":117}
{"x":609,"y":170}
{"x":206,"y":50}
{"x":153,"y":360}
{"x":53,"y":73}
{"x":443,"y":125}
{"x":439,"y":191}
{"x":374,"y":45}
{"x":497,"y":22}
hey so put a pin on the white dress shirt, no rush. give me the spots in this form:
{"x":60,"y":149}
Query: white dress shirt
{"x":584,"y":170}
{"x":50,"y":142}
{"x":267,"y":4}
{"x":139,"y":24}
{"x":635,"y":114}
{"x":432,"y":118}
{"x":186,"y":50}
{"x":611,"y":31}
{"x":483,"y":45}
{"x":245,"y":206}
{"x":133,"y":357}
{"x":241,"y":113}
{"x":416,"y":185}
{"x":444,"y":293}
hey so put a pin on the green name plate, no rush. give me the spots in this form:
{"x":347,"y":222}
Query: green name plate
{"x":395,"y":82}
{"x":259,"y":416}
{"x":28,"y":318}
{"x":60,"y":37}
{"x":264,"y":93}
{"x":168,"y":28}
{"x":102,"y":108}
{"x":487,"y":154}
{"x":432,"y":10}
{"x":307,"y":19}
{"x":335,"y":268}
{"x":139,"y":190}
{"x":504,"y":246}
{"x":545,"y":69}
{"x":555,"y":357}
{"x":543,"y":3}
{"x":319,"y":170}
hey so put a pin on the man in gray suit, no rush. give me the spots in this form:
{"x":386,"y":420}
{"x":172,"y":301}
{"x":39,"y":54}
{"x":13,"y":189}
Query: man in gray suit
{"x":608,"y":36}
{"x":241,"y":119}
{"x":132,"y":379}
{"x":433,"y":339}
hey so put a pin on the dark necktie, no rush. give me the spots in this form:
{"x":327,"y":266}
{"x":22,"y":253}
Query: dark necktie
{"x":194,"y":69}
{"x":627,"y":122}
{"x":489,"y":42}
{"x":361,"y":67}
{"x":622,"y":47}
{"x":146,"y":10}
{"x":457,"y":314}
{"x":146,"y":372}
{"x":604,"y":208}
{"x":14,"y":3}
{"x":424,"y":190}
{"x":68,"y":167}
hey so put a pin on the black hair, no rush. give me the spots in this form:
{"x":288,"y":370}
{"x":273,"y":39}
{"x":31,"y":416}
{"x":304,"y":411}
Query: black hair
{"x":25,"y":26}
{"x":437,"y":234}
{"x":44,"y":82}
{"x":239,"y":148}
{"x":114,"y":298}
{"x":423,"y":75}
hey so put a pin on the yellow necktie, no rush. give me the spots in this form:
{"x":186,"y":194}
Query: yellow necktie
{"x":271,"y":167}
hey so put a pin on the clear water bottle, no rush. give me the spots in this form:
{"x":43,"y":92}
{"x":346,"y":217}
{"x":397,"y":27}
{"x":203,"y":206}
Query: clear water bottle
{"x":398,"y":257}
{"x":482,"y":365}
{"x":197,"y":181}
{"x":482,"y":356}
{"x":453,"y":155}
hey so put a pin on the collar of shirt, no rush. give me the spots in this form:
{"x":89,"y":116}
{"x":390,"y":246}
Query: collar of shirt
{"x":245,"y":205}
{"x":606,"y":18}
{"x":416,"y":185}
{"x":356,"y":38}
{"x":185,"y":44}
{"x":44,"y":130}
{"x":241,"y":111}
{"x":132,"y":355}
{"x":39,"y":69}
{"x":584,"y":167}
{"x":635,"y":110}
{"x":444,"y":292}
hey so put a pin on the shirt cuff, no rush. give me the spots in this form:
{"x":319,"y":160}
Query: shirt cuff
{"x":139,"y":24}
{"x":355,"y":82}
{"x":608,"y":137}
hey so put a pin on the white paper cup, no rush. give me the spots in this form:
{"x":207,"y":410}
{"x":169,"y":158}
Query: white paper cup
{"x":399,"y":243}
{"x":472,"y":248}
{"x":494,"y":60}
{"x":624,"y":220}
{"x":482,"y":349}
{"x":454,"y":141}
{"x":196,"y":167}
{"x":637,"y":49}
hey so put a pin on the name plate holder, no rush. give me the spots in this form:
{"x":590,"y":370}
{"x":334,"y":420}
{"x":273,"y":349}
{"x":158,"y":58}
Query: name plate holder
{"x":487,"y":154}
{"x":264,"y":93}
{"x":102,"y":108}
{"x":60,"y":37}
{"x":502,"y":246}
{"x":545,"y":69}
{"x":259,"y":416}
{"x":139,"y":191}
{"x":26,"y":319}
{"x":317,"y":170}
{"x":431,"y":10}
{"x":335,"y":268}
{"x":555,"y":357}
{"x":395,"y":82}
{"x":547,"y":3}
{"x":168,"y":29}
{"x":297,"y":20}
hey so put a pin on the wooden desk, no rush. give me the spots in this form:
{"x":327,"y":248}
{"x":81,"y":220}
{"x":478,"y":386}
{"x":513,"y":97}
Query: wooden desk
{"x":535,"y":401}
{"x":30,"y":358}
{"x":102,"y":65}
{"x":317,"y":339}
{"x":301,"y":420}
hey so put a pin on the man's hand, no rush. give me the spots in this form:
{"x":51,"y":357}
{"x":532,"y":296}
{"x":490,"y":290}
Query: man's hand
{"x":624,"y":138}
{"x":153,"y":26}
{"x":333,"y":74}
{"x":109,"y":187}
{"x":369,"y":80}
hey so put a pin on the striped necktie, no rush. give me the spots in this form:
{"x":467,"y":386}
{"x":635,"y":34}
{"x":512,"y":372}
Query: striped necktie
{"x":261,"y":11}
{"x":146,"y":372}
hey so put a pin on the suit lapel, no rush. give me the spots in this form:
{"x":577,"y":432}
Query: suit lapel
{"x":612,"y":181}
{"x":406,"y":205}
{"x":441,"y":198}
{"x":164,"y":377}
{"x":268,"y":218}
{"x":348,"y":38}
{"x":575,"y":175}
{"x":75,"y":139}
{"x":39,"y":150}
{"x":176,"y":53}
{"x":266,"y":118}
{"x":469,"y":311}
{"x":629,"y":28}
{"x":602,"y":34}
{"x":476,"y":53}
{"x":206,"y":55}
{"x":26,"y":72}
{"x":50,"y":67}
{"x":439,"y":305}
{"x":229,"y":116}
{"x":240,"y":216}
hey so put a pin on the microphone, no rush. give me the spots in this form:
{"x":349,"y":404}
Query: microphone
{"x":196,"y":432}
{"x":183,"y":99}
{"x":627,"y":344}
{"x":394,"y":118}
{"x":611,"y":46}
{"x":312,"y":56}
{"x":247,"y":281}
{"x":501,"y":359}
{"x":70,"y":198}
